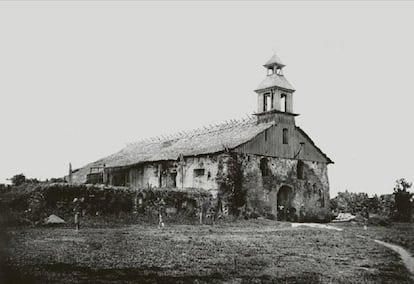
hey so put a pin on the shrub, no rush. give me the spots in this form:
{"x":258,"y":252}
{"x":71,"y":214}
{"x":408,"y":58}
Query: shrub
{"x":379,"y":221}
{"x":254,"y":215}
{"x":18,"y":179}
{"x":317,"y":215}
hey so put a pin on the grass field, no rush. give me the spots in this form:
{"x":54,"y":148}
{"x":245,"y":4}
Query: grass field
{"x":399,"y":233}
{"x":258,"y":251}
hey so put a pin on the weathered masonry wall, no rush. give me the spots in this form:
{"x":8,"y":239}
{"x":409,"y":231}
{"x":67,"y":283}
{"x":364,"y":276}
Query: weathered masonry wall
{"x":159,"y":174}
{"x":191,"y":172}
{"x":269,"y":182}
{"x":200,"y":172}
{"x":263,"y":177}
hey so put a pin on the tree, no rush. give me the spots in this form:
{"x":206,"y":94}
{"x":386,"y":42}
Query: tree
{"x":374,"y":204}
{"x":350,"y":202}
{"x":18,"y":179}
{"x":402,"y":205}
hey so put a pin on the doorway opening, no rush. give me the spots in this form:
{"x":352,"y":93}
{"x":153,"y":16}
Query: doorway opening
{"x":285,"y":210}
{"x":264,"y":167}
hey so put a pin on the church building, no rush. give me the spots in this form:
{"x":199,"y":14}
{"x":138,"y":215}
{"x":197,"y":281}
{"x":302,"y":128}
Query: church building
{"x":268,"y":157}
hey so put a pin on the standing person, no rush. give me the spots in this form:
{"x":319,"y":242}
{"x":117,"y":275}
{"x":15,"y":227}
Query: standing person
{"x":77,"y":209}
{"x":281,"y":213}
{"x":161,"y":212}
{"x":365,"y":216}
{"x":302,"y":213}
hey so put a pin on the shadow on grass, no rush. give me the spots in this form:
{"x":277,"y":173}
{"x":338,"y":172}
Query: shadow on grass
{"x":66,"y":273}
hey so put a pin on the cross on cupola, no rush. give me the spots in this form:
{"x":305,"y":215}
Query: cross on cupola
{"x":275,"y":93}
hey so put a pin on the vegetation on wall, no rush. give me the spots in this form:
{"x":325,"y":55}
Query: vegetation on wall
{"x":29,"y":203}
{"x":183,"y":206}
{"x":230,"y":183}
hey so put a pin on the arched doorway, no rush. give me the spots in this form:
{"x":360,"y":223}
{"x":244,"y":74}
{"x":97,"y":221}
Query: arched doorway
{"x":264,"y":167}
{"x":285,"y":210}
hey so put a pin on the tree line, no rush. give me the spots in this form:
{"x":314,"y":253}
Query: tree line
{"x":398,"y":205}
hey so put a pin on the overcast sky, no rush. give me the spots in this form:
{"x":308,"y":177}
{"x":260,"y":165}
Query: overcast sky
{"x":78,"y":80}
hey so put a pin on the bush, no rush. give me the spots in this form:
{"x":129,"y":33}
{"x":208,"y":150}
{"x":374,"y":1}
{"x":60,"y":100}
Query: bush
{"x":31,"y":203}
{"x":317,"y":215}
{"x":379,"y":221}
{"x":270,"y":216}
{"x":254,"y":215}
{"x":18,"y":179}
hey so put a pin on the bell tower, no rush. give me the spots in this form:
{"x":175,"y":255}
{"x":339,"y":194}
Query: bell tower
{"x":275,"y":94}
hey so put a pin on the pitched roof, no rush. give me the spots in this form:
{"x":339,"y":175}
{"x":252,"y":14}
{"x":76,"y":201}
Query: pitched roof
{"x":202,"y":141}
{"x":274,"y":60}
{"x":275,"y":80}
{"x":313,"y":143}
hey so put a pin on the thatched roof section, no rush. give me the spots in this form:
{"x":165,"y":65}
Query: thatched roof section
{"x":202,"y":141}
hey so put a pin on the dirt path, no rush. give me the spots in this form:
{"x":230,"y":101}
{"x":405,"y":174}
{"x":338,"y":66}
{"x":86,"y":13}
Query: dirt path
{"x":316,"y":225}
{"x":406,"y":257}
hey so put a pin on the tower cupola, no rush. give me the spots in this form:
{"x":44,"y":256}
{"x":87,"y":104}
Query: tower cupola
{"x":274,"y":93}
{"x":274,"y":65}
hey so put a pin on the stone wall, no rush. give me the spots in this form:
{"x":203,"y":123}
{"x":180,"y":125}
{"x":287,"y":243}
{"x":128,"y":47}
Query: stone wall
{"x":201,"y":172}
{"x":191,"y":172}
{"x":309,"y":191}
{"x":263,"y":178}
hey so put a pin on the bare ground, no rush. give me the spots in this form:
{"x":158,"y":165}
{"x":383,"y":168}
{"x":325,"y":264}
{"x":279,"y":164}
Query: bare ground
{"x":243,"y":252}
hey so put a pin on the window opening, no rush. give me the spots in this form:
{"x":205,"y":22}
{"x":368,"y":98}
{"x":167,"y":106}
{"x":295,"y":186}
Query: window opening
{"x":264,"y":167}
{"x":174,"y":178}
{"x":279,"y":71}
{"x":199,"y":172}
{"x":299,"y":170}
{"x":268,"y":102}
{"x":283,"y":102}
{"x":269,"y":71}
{"x":285,"y":136}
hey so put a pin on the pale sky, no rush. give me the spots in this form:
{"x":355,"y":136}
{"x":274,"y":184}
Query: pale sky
{"x":78,"y":80}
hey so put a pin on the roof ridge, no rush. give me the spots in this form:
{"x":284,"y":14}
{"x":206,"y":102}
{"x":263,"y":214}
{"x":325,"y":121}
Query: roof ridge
{"x":206,"y":129}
